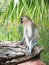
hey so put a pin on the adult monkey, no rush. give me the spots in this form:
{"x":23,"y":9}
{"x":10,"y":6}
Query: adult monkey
{"x":30,"y":36}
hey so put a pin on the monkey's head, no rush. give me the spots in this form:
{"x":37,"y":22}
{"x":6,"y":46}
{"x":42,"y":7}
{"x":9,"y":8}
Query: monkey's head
{"x":25,"y":20}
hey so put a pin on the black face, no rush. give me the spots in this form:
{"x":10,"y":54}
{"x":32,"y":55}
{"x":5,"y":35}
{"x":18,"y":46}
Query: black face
{"x":21,"y":20}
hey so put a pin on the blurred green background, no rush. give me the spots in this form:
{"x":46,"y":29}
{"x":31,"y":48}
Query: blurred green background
{"x":11,"y":29}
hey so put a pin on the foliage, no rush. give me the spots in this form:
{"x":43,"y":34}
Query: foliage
{"x":10,"y":27}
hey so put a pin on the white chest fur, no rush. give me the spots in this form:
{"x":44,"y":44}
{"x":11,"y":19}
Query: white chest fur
{"x":29,"y":31}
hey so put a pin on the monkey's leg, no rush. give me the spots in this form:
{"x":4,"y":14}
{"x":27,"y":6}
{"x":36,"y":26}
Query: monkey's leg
{"x":31,"y":45}
{"x":35,"y":42}
{"x":29,"y":50}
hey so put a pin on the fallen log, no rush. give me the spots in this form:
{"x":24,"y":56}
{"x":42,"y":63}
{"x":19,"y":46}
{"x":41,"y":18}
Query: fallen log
{"x":12,"y":53}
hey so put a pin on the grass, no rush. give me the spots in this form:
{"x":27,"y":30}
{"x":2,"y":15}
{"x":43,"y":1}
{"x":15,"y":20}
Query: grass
{"x":11,"y":29}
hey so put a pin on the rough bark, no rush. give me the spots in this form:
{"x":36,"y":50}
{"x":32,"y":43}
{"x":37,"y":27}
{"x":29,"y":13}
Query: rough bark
{"x":12,"y":53}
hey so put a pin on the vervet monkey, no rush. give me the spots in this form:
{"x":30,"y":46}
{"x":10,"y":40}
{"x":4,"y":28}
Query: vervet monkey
{"x":30,"y":36}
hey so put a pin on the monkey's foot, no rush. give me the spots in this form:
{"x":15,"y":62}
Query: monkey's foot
{"x":28,"y":52}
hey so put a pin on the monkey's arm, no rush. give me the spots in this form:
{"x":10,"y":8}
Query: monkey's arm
{"x":23,"y":39}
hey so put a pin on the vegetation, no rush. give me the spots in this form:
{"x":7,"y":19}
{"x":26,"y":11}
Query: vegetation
{"x":10,"y":27}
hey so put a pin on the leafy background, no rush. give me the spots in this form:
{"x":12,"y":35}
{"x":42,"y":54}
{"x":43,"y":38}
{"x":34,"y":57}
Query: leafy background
{"x":11,"y":29}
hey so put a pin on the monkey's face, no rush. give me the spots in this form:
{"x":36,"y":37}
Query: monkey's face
{"x":24,"y":20}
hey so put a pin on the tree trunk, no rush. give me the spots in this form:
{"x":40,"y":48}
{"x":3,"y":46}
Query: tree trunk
{"x":12,"y":53}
